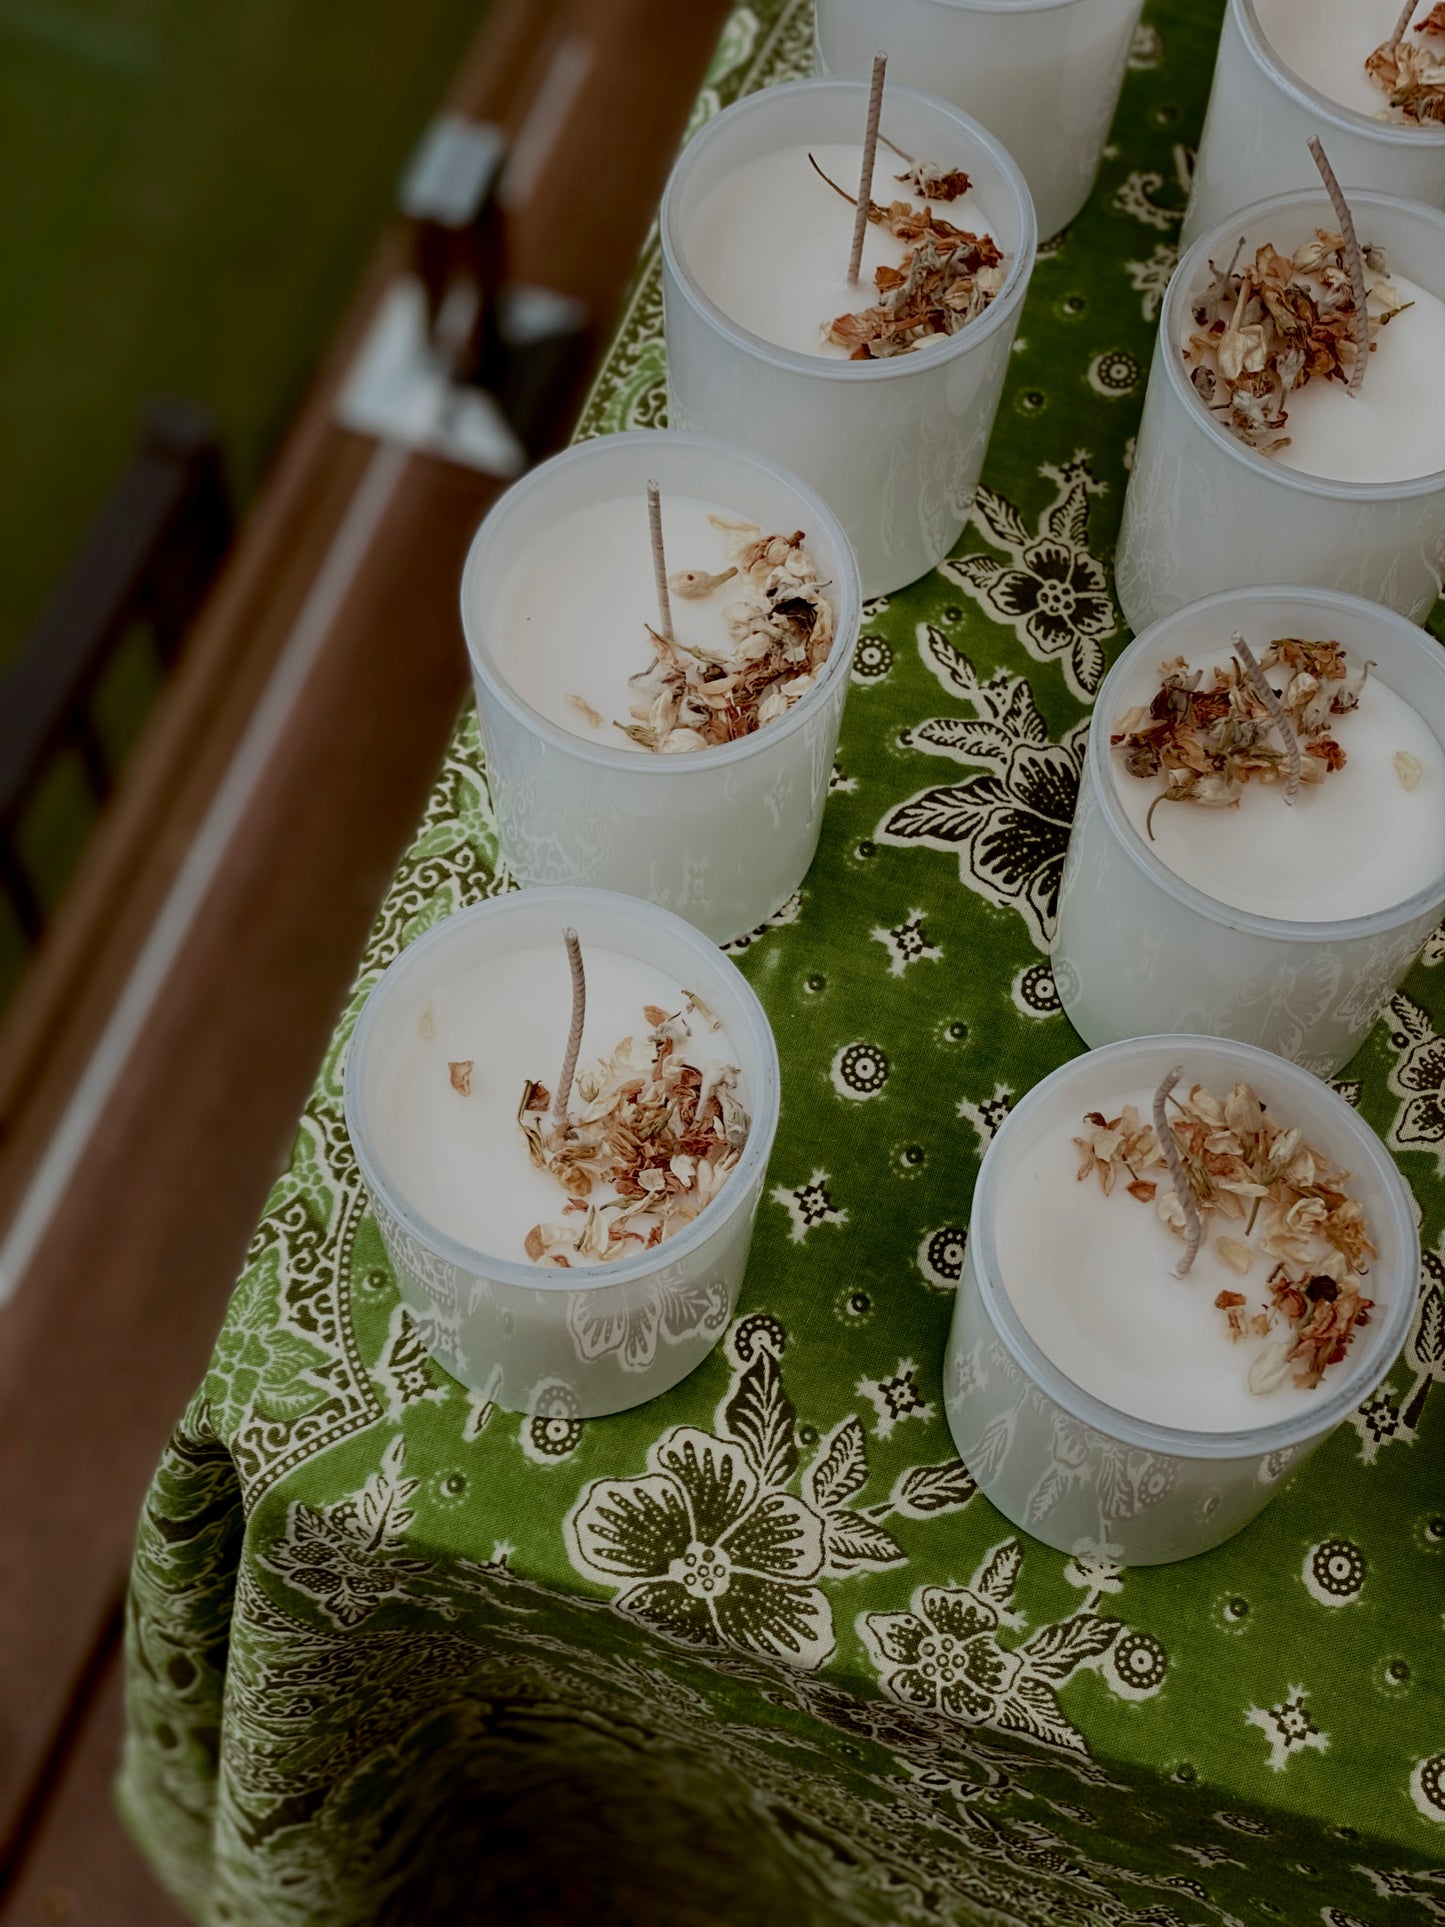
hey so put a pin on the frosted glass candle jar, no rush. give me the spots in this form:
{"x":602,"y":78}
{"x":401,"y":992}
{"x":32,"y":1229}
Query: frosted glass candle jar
{"x":1140,"y":949}
{"x":1044,"y":75}
{"x":1263,"y":110}
{"x":1065,"y":1291}
{"x":723,"y":835}
{"x":1205,"y":511}
{"x":893,"y":446}
{"x":449,"y":1175}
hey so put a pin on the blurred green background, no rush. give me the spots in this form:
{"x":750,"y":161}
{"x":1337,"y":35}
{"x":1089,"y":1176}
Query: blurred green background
{"x":191,"y":189}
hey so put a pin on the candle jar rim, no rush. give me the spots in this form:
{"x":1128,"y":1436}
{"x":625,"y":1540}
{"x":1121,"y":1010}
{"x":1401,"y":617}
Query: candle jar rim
{"x":1330,"y":487}
{"x":848,"y":591}
{"x":1321,"y":105}
{"x":825,"y":367}
{"x":518,"y":1273}
{"x":1353,"y":1386}
{"x":1105,"y":774}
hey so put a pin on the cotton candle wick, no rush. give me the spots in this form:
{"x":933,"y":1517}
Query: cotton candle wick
{"x":1405,"y":18}
{"x":579,"y":1018}
{"x":1163,"y":1130}
{"x":1262,"y":688}
{"x":865,"y":179}
{"x":659,"y":565}
{"x":1354,"y":261}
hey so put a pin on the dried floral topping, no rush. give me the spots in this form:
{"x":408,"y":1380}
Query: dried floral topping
{"x":585,"y":710}
{"x":1266,"y":329}
{"x":1408,"y":768}
{"x":1241,"y":1168}
{"x":694,"y":585}
{"x":646,"y":1125}
{"x":1208,"y":739}
{"x":460,"y":1074}
{"x":780,"y":635}
{"x":1411,"y":70}
{"x":936,"y":183}
{"x":945,"y":280}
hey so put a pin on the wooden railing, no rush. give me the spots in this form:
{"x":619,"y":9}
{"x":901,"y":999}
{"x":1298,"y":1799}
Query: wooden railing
{"x":148,"y":561}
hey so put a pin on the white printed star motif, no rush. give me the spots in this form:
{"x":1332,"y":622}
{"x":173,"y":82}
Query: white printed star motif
{"x":895,"y":1397}
{"x":808,"y":1205}
{"x":1288,"y":1728}
{"x":907,"y":943}
{"x":989,"y":1115}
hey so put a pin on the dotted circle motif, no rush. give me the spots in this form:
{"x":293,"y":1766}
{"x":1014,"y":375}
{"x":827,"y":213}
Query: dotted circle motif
{"x":872,"y":659}
{"x":1037,"y":990}
{"x":943,"y":1254}
{"x":1335,"y":1571}
{"x":860,"y":1070}
{"x":1139,"y":1662}
{"x":554,"y":1437}
{"x":1430,"y":1778}
{"x":1114,"y":373}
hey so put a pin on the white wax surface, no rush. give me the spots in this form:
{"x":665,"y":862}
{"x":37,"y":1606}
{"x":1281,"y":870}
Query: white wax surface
{"x":1359,"y":841}
{"x":1327,"y":42}
{"x":770,"y":242}
{"x":571,"y":616}
{"x":1395,"y":427}
{"x":1091,"y":1278}
{"x":461,"y":1161}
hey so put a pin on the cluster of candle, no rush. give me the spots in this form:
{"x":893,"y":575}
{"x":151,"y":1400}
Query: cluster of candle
{"x":661,"y":626}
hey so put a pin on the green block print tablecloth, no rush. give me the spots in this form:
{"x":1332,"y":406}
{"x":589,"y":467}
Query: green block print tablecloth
{"x":385,"y":1640}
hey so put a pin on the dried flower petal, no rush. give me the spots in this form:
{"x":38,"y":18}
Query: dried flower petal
{"x":1206,"y":743}
{"x":694,"y":584}
{"x":461,"y":1076}
{"x":1265,"y":329}
{"x":945,"y":280}
{"x":1235,"y":1159}
{"x":658,"y":1132}
{"x":1408,"y":768}
{"x":585,"y":710}
{"x":778,"y":637}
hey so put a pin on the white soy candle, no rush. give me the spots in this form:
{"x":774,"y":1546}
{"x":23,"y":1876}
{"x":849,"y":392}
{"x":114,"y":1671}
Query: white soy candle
{"x":572,"y":611}
{"x":1097,"y":1397}
{"x":1353,"y":503}
{"x":1327,"y":42}
{"x":448,"y":1137}
{"x":1353,"y":844}
{"x":557,"y":594}
{"x":1289,"y":69}
{"x":770,"y":239}
{"x":1287,"y":927}
{"x":755,"y":259}
{"x":1392,"y":430}
{"x":448,"y":1040}
{"x":1094,"y":1282}
{"x":1043,"y":75}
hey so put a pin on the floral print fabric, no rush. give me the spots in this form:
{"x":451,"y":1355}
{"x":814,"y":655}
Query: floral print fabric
{"x":762,"y":1643}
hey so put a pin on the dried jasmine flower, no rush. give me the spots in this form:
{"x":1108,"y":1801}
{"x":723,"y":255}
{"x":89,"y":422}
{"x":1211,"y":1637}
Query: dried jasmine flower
{"x":935,"y":183}
{"x":1408,"y":768}
{"x":1411,"y":72}
{"x":694,"y":584}
{"x":945,"y":280}
{"x":659,"y":1132}
{"x":1240,"y":1166}
{"x":460,"y":1074}
{"x":779,"y":637}
{"x":1266,"y":329}
{"x":585,"y":710}
{"x":1207,"y":742}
